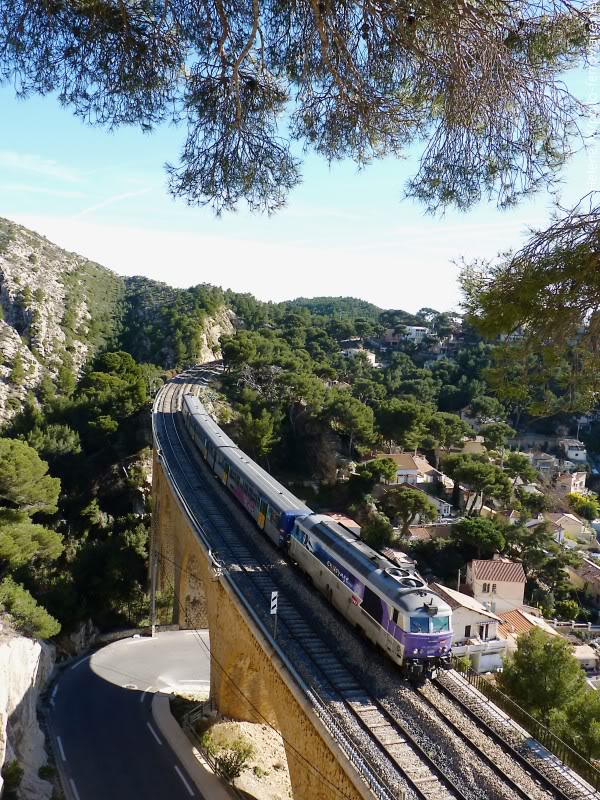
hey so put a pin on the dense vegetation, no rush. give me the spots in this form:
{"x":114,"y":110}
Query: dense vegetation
{"x":304,"y":399}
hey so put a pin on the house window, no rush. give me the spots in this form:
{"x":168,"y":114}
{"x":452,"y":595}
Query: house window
{"x":493,"y":588}
{"x":485,"y":588}
{"x":467,"y":631}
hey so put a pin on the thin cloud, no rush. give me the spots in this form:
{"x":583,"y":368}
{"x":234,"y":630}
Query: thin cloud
{"x":37,"y":165}
{"x":109,"y":201}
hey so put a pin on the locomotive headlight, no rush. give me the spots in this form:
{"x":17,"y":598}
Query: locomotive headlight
{"x":444,"y":648}
{"x":415,"y":651}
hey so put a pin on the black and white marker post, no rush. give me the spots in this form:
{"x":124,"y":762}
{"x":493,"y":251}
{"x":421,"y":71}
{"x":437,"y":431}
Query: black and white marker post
{"x":274,"y":596}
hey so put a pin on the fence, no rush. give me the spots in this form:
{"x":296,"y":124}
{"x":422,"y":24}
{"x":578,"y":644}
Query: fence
{"x":538,"y":731}
{"x":189,"y":728}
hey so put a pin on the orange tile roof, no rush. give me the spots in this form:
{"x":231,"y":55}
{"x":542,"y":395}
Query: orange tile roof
{"x":517,"y":622}
{"x":514,"y":622}
{"x":498,"y":570}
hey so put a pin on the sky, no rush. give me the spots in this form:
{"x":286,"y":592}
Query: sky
{"x":344,"y":232}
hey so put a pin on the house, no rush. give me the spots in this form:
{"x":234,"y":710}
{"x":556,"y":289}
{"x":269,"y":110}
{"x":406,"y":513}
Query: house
{"x":352,"y":352}
{"x":406,"y":469}
{"x":588,"y":658}
{"x":587,"y":578}
{"x":573,"y":449}
{"x":413,"y":333}
{"x":444,"y":508}
{"x":424,"y":533}
{"x":515,"y":336}
{"x":516,"y":622}
{"x":416,"y":333}
{"x":498,"y":582}
{"x":573,"y":527}
{"x":432,"y":475}
{"x":571,"y":483}
{"x":474,"y":630}
{"x":544,"y":463}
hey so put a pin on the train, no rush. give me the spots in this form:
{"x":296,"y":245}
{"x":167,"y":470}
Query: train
{"x":389,"y":603}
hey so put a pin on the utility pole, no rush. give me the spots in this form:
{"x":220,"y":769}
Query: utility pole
{"x":153,"y":581}
{"x":458,"y":582}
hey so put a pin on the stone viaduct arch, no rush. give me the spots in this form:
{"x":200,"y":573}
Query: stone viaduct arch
{"x":248,"y":680}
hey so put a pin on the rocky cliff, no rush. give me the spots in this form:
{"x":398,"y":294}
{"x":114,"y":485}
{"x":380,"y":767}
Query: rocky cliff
{"x":57,"y":309}
{"x":25,"y":667}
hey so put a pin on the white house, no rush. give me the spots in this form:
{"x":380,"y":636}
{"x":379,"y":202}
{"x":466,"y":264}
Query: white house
{"x":573,"y":449}
{"x":444,"y":508}
{"x":352,"y":352}
{"x":497,"y":583}
{"x":416,"y":333}
{"x":406,"y":469}
{"x":412,"y":333}
{"x":474,"y":630}
{"x":571,"y":483}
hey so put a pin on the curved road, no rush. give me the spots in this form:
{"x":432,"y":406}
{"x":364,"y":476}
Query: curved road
{"x":101,"y":721}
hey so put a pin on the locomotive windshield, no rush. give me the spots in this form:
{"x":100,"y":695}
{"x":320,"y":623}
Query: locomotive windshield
{"x":421,"y":624}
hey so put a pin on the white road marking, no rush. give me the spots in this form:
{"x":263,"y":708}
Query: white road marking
{"x":79,"y":663}
{"x":153,"y":732}
{"x":145,"y":692}
{"x":74,"y":788}
{"x":185,"y":783}
{"x":61,"y":748}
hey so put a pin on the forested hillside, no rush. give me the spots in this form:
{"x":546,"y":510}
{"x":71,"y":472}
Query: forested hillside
{"x":83,"y":352}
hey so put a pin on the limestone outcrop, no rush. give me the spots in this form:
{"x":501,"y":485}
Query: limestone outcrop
{"x":25,"y":667}
{"x":220,"y":324}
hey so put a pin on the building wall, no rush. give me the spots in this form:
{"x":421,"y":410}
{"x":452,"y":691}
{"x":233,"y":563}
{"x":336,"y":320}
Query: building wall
{"x":507,"y":597}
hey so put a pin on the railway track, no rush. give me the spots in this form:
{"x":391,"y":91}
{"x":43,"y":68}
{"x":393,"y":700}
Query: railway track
{"x":330,"y":680}
{"x":545,"y":768}
{"x":397,"y":757}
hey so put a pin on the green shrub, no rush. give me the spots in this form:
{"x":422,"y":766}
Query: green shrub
{"x":46,"y":772}
{"x":29,"y":618}
{"x":208,"y":743}
{"x":12,"y":773}
{"x":230,"y":765}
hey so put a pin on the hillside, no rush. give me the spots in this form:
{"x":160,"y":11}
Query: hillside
{"x":57,"y":309}
{"x":349,"y":307}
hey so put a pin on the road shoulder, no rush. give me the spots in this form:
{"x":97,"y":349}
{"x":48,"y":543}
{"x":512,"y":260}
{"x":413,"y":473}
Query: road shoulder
{"x":207,"y":783}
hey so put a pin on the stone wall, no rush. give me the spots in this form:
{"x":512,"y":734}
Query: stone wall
{"x":248,"y":680}
{"x":25,"y":667}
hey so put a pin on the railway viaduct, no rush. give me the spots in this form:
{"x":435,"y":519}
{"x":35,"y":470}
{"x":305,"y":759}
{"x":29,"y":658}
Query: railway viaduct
{"x":249,"y":679}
